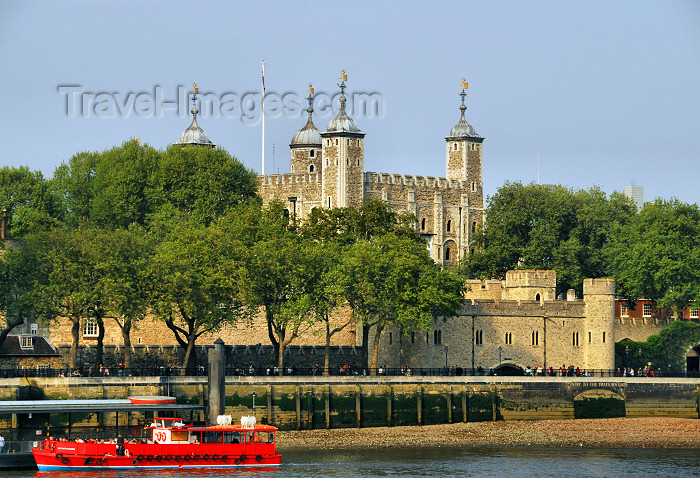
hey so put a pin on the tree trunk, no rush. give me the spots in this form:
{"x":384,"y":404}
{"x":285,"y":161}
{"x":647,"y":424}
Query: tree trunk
{"x":269,"y":316}
{"x":8,"y":328}
{"x":280,"y":350}
{"x":100,"y":339}
{"x":75,"y":333}
{"x":375,"y":348}
{"x":190,"y":360}
{"x":365,"y":345}
{"x":327,"y":355}
{"x":126,"y":339}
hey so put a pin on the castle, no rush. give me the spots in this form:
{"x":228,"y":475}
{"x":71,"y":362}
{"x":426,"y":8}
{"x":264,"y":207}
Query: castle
{"x":514,"y":323}
{"x":327,"y":170}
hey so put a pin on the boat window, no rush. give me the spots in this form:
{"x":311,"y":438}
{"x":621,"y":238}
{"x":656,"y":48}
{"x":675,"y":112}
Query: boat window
{"x":232,"y":437}
{"x":181,"y":435}
{"x":212,"y":437}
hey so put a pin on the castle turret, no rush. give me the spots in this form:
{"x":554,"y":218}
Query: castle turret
{"x":343,"y":158}
{"x":599,"y":332}
{"x":194,"y":134}
{"x":463,"y":163}
{"x":306,"y":144}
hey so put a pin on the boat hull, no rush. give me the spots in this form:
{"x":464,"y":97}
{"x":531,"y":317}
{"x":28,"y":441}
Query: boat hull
{"x":47,"y":461}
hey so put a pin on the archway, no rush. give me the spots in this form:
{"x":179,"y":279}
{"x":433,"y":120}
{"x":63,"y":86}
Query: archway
{"x":509,"y":370}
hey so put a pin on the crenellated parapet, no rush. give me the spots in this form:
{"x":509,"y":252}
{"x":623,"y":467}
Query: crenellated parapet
{"x":379,"y":179}
{"x":289,"y":178}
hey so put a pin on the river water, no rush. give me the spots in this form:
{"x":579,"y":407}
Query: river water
{"x":444,"y":463}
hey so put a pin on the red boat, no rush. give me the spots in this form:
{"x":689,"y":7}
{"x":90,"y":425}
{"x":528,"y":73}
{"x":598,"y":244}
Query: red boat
{"x":173,"y":444}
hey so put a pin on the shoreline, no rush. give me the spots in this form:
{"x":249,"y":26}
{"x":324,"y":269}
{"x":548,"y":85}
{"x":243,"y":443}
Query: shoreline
{"x":658,"y":432}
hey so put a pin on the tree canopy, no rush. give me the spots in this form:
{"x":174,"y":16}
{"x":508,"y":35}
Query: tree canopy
{"x":541,"y":227}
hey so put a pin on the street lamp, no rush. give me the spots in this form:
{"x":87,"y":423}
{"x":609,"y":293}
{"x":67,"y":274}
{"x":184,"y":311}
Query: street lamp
{"x":253,"y":403}
{"x":627,"y":353}
{"x":500,"y":349}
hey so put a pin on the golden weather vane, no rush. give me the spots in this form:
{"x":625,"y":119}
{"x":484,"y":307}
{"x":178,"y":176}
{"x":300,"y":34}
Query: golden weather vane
{"x":196,"y":90}
{"x":465,"y":85}
{"x":343,"y":76}
{"x":310,"y":90}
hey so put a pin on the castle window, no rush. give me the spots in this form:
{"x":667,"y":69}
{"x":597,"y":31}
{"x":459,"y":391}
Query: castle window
{"x":427,"y":337}
{"x":348,"y":142}
{"x":589,"y":337}
{"x":329,"y":202}
{"x":336,"y":141}
{"x":90,"y":327}
{"x":413,"y":337}
{"x":437,"y":337}
{"x":473,"y":250}
{"x":328,"y":162}
{"x":474,"y":226}
{"x":535,"y":337}
{"x":311,"y":153}
{"x":391,"y":338}
{"x":328,"y":142}
{"x":473,"y":146}
{"x":603,"y":337}
{"x":447,"y":253}
{"x":509,"y":338}
{"x":347,"y":162}
{"x":624,"y":310}
{"x":473,"y":186}
{"x":456,"y":147}
{"x":537,"y":297}
{"x":694,"y":313}
{"x":574,"y":339}
{"x":479,"y":337}
{"x":646,"y":310}
{"x":422,"y":224}
{"x":449,"y":225}
{"x":311,"y":168}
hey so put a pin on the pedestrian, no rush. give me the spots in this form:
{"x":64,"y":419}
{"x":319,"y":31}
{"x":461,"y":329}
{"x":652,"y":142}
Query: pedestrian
{"x":2,"y":443}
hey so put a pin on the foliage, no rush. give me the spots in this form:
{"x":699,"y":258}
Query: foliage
{"x":657,"y":255}
{"x":28,"y":197}
{"x":539,"y":227}
{"x":666,"y":350}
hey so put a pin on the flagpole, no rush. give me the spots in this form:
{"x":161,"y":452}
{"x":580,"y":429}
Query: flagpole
{"x":262,"y":109}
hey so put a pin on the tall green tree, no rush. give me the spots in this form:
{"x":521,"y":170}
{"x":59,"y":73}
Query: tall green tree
{"x":666,"y":350}
{"x":657,"y":255}
{"x":202,"y":181}
{"x":195,"y":279}
{"x":27,"y":197}
{"x":393,"y":281}
{"x":538,"y":227}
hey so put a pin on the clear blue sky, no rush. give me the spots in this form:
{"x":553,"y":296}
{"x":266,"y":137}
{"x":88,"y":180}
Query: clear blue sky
{"x":607,"y":90}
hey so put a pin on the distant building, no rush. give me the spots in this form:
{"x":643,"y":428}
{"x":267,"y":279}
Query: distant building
{"x":636,"y":194}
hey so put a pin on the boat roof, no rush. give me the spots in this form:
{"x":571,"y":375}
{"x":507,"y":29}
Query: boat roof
{"x":234,"y":428}
{"x":114,"y":405}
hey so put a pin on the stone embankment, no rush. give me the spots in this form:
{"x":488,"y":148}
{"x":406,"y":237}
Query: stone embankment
{"x":589,"y":433}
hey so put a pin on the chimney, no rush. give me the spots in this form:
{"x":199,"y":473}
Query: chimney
{"x":5,"y":233}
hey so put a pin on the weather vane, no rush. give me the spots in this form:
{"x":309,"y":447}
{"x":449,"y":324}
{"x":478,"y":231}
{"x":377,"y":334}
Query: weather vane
{"x":196,"y":89}
{"x":310,"y":90}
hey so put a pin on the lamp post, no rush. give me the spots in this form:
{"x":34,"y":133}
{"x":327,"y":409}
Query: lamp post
{"x":627,"y":353}
{"x":500,"y":349}
{"x":253,"y":403}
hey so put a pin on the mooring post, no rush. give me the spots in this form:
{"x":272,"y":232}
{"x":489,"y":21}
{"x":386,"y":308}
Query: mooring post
{"x":465,"y":408}
{"x":328,"y":408}
{"x":298,"y":407}
{"x":358,"y":405}
{"x":419,"y":404}
{"x":389,"y":398}
{"x":449,"y":405}
{"x":217,"y":381}
{"x":269,"y":404}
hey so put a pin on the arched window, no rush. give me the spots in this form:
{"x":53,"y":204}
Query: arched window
{"x":455,"y":146}
{"x":311,"y":168}
{"x":449,"y":225}
{"x":447,"y":253}
{"x":422,"y":224}
{"x":537,"y":297}
{"x":311,"y":153}
{"x":474,"y":226}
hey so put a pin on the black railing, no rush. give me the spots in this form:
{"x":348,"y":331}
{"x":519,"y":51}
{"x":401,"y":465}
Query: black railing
{"x":346,"y":371}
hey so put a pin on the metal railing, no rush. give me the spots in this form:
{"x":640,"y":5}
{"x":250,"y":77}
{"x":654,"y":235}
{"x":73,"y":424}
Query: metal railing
{"x":347,"y":371}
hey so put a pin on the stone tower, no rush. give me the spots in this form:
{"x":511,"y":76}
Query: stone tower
{"x":463,"y":163}
{"x":599,"y":333}
{"x":343,"y":159}
{"x":306,"y":144}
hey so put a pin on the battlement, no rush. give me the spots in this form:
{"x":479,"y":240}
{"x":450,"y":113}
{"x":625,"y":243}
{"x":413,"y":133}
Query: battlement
{"x":289,"y":178}
{"x":531,"y":278}
{"x":599,"y":286}
{"x":408,"y":180}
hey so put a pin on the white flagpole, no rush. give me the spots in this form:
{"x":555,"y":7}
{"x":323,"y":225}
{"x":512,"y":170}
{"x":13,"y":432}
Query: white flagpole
{"x":262,"y":109}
